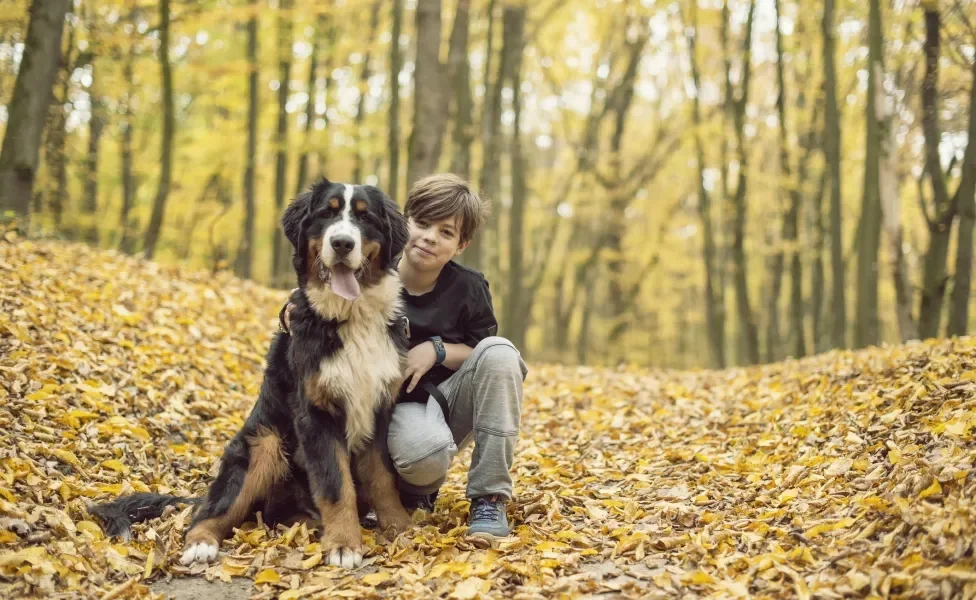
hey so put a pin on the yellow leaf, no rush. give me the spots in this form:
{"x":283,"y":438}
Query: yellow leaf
{"x":149,"y":565}
{"x":7,"y":494}
{"x":312,"y":561}
{"x":90,"y":528}
{"x":115,"y":465}
{"x":267,"y":576}
{"x":375,"y":579}
{"x":932,"y":490}
{"x":66,"y":456}
{"x":697,"y":578}
{"x":470,"y":588}
{"x":7,"y":537}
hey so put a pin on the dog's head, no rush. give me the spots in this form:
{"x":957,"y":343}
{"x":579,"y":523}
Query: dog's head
{"x":345,"y":236}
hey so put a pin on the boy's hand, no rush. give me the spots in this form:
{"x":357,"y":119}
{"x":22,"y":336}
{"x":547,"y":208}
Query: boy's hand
{"x":287,"y":313}
{"x":420,"y":359}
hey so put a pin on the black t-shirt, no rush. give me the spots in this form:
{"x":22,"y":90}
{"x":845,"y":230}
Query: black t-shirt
{"x":458,"y":309}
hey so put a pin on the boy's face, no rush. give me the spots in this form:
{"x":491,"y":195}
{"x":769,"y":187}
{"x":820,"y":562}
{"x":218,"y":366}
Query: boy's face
{"x":433,"y":244}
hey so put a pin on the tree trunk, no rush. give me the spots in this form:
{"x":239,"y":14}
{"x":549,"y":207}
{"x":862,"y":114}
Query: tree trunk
{"x":28,"y":108}
{"x":169,"y":128}
{"x":459,"y":74}
{"x":126,"y":238}
{"x":866,"y":327}
{"x":714,"y":313}
{"x":935,"y":278}
{"x":746,"y":317}
{"x":832,"y":147}
{"x":488,"y":178}
{"x":55,"y":155}
{"x":243,"y":263}
{"x":313,"y":66}
{"x":280,"y":263}
{"x":396,"y":65}
{"x":966,"y":201}
{"x":516,"y":319}
{"x":364,"y":76}
{"x":429,"y":91}
{"x":96,"y":125}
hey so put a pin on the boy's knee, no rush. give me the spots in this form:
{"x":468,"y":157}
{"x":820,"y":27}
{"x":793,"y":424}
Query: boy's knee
{"x":496,"y":353}
{"x":420,"y":446}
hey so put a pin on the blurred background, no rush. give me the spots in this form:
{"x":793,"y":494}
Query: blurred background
{"x":675,"y":184}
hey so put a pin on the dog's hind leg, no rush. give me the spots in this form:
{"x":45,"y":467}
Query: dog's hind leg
{"x":377,"y":478}
{"x":324,"y":445}
{"x":252,"y":464}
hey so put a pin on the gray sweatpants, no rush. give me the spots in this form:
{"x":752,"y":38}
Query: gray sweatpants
{"x":485,"y":400}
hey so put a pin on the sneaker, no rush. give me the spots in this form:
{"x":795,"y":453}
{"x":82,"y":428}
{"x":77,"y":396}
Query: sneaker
{"x":412,"y":502}
{"x":488,"y":518}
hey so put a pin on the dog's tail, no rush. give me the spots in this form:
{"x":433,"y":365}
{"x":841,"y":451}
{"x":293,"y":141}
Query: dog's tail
{"x":118,"y":515}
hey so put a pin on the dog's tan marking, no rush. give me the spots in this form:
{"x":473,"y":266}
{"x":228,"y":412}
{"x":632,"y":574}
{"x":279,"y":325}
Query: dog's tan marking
{"x":267,"y":466}
{"x":312,"y":261}
{"x":340,"y":520}
{"x":380,"y":490}
{"x":360,"y":206}
{"x":334,"y":203}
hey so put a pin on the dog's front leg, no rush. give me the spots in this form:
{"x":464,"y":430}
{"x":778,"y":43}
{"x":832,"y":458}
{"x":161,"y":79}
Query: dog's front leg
{"x":377,"y":475}
{"x":320,"y":433}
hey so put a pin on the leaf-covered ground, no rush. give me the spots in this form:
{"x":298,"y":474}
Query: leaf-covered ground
{"x":844,"y":475}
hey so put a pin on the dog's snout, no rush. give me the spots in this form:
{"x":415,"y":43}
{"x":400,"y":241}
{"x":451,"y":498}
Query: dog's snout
{"x":343,"y":244}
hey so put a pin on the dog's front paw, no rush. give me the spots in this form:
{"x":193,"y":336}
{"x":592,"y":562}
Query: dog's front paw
{"x":346,"y":557}
{"x":204,"y":552}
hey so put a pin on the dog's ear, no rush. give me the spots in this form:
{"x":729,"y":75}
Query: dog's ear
{"x":291,"y":221}
{"x":397,"y":231}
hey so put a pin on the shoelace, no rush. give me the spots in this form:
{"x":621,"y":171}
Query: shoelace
{"x":486,"y":510}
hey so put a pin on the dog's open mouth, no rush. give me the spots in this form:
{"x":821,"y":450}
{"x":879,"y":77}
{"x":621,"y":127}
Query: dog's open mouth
{"x":343,"y":280}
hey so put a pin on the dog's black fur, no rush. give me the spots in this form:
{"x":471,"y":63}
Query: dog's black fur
{"x":291,"y":459}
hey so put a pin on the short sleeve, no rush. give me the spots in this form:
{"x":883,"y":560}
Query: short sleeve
{"x":478,"y":318}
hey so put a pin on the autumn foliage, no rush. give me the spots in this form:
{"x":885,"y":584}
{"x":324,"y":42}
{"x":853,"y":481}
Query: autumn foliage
{"x":847,"y":474}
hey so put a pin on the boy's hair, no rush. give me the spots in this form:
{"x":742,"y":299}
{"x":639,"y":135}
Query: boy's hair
{"x":444,"y":195}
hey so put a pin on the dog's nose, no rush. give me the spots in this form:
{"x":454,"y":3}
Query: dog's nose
{"x":343,"y":244}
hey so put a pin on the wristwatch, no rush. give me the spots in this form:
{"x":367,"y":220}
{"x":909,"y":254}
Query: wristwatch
{"x":439,"y":348}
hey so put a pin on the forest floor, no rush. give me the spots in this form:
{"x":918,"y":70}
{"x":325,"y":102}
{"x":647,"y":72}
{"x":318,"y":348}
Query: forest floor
{"x":847,"y":474}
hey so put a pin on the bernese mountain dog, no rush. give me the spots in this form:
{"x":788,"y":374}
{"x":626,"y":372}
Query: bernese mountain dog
{"x":314,"y":444}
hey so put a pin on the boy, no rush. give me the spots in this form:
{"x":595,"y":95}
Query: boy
{"x":462,"y":383}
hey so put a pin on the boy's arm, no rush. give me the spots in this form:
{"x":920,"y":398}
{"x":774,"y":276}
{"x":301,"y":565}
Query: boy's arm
{"x":456,"y":355}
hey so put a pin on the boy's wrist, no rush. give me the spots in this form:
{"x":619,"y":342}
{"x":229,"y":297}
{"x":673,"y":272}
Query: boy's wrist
{"x":439,"y":349}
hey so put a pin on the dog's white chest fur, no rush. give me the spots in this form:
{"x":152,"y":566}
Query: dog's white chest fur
{"x":367,"y":370}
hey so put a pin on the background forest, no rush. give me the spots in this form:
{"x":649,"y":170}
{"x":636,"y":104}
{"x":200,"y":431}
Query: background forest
{"x":675,"y":184}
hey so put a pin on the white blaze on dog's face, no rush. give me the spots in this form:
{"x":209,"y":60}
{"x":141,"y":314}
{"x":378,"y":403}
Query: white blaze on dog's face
{"x":343,"y":240}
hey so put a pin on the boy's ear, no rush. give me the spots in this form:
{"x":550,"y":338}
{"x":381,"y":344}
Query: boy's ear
{"x":462,"y":246}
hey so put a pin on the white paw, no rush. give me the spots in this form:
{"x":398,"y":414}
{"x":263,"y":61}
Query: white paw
{"x":199,"y":552}
{"x":347,"y":558}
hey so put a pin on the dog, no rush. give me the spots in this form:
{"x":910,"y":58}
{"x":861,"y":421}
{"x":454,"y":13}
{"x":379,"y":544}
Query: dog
{"x":314,"y":444}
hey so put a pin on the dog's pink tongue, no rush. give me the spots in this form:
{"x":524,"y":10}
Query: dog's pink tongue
{"x":344,"y":282}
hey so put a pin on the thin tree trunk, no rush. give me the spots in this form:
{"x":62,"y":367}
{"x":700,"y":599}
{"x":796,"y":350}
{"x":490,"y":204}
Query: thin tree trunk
{"x":866,"y":327}
{"x":516,"y":317}
{"x":313,"y":65}
{"x":396,"y":65}
{"x":243,"y":263}
{"x":126,"y":238}
{"x":966,"y":200}
{"x":488,"y":178}
{"x":832,"y":147}
{"x":95,"y":127}
{"x":459,"y":73}
{"x":169,"y":128}
{"x":429,"y":118}
{"x":28,"y":109}
{"x":714,"y":313}
{"x":746,"y":317}
{"x":281,"y":255}
{"x":818,"y":277}
{"x":55,"y":155}
{"x":363,"y":92}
